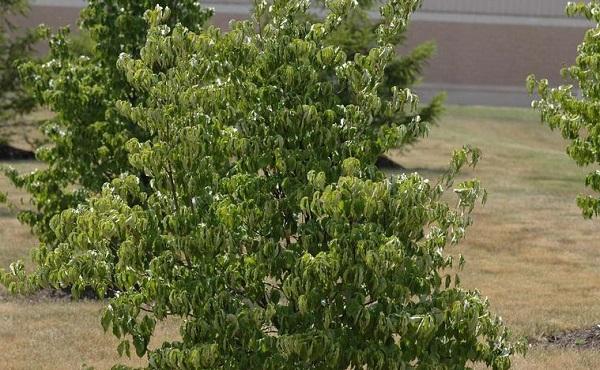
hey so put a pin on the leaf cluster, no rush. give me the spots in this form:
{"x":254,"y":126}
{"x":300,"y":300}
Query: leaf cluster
{"x":357,"y":35}
{"x":87,"y":136}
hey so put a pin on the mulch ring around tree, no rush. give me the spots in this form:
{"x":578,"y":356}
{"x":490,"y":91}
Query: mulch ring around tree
{"x":580,"y":339}
{"x":44,"y":295}
{"x":8,"y":152}
{"x":52,"y":295}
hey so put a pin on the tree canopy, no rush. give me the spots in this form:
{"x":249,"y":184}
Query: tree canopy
{"x":87,"y":136}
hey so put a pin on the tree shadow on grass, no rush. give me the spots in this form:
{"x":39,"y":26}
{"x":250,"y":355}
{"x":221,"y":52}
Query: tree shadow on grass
{"x":392,"y":167}
{"x":8,"y":152}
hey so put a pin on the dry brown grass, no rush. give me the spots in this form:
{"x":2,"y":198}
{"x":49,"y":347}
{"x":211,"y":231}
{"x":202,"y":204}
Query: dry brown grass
{"x":558,"y":359}
{"x":59,"y":335}
{"x":23,"y":132}
{"x":529,"y":250}
{"x":15,"y":240}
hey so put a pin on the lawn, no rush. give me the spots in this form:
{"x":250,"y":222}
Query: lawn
{"x":529,"y":249}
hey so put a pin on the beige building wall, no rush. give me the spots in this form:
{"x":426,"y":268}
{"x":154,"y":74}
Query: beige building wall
{"x":539,"y":8}
{"x":486,"y":48}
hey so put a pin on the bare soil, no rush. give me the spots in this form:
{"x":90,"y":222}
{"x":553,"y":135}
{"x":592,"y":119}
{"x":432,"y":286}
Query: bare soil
{"x":45,"y":295}
{"x":579,"y":339}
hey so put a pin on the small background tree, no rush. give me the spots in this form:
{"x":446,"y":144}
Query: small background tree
{"x":356,"y":36}
{"x":574,"y":109}
{"x":15,"y":46}
{"x":256,"y":214}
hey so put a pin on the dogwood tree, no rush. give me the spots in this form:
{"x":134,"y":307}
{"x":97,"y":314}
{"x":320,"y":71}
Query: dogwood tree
{"x":264,"y":224}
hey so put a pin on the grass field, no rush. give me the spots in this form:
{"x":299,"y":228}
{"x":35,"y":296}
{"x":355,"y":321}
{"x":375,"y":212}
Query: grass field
{"x":529,"y":250}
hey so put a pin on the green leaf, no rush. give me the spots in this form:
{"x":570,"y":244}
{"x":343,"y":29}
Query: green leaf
{"x":140,"y":345}
{"x":123,"y":348}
